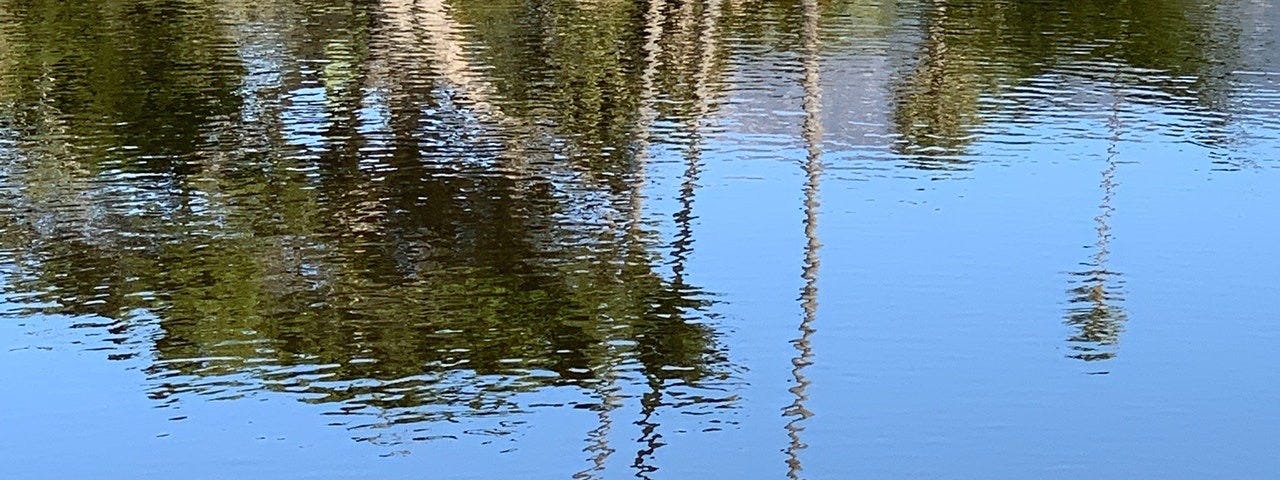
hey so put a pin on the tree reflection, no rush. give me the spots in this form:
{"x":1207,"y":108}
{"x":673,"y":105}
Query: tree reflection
{"x":938,"y":101}
{"x":973,"y":49}
{"x":380,"y":230}
{"x":798,"y":411}
{"x":1095,"y":313}
{"x":414,"y":211}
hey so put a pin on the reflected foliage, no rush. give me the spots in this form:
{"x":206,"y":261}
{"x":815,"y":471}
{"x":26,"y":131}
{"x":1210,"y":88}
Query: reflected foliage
{"x":298,"y":198}
{"x":1095,"y":317}
{"x":420,"y":209}
{"x":971,"y":50}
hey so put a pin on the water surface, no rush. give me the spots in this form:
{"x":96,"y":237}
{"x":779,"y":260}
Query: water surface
{"x":333,"y":239}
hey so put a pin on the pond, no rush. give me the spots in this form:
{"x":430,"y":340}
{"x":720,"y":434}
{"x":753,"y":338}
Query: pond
{"x":357,"y":239}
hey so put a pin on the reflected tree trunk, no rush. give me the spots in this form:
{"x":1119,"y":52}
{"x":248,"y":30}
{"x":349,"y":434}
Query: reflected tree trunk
{"x":705,"y":24}
{"x":1095,"y":314}
{"x":422,"y":35}
{"x":598,"y":438}
{"x":425,"y":35}
{"x":797,"y":411}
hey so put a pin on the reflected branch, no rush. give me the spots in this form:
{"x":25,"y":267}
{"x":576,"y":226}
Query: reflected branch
{"x":650,"y":440}
{"x":598,"y":439}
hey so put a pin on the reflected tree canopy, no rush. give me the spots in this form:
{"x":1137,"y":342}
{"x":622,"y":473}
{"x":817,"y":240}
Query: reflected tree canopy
{"x":306,"y":199}
{"x":971,"y":50}
{"x":391,"y":204}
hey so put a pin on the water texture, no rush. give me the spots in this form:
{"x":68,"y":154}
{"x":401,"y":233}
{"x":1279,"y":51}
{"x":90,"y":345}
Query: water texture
{"x":330,"y":239}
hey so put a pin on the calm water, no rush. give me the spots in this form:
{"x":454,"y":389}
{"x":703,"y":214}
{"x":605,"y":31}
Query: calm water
{"x":363,"y":239}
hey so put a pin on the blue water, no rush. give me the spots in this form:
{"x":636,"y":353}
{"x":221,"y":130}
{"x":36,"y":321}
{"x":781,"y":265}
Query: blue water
{"x":462,"y":239}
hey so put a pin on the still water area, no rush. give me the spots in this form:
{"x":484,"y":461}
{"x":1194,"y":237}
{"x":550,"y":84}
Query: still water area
{"x":822,"y":239}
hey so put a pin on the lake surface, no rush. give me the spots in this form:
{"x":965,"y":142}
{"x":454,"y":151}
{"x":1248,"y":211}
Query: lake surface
{"x":332,"y":239}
